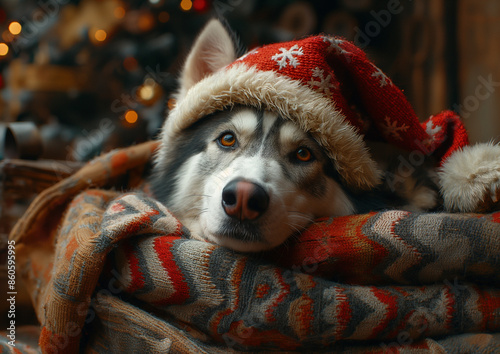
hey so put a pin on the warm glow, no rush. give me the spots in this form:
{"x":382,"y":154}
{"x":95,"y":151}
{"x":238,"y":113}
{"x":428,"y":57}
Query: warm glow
{"x":146,"y":22}
{"x":130,"y":63}
{"x":131,"y":116}
{"x":119,"y":12}
{"x":4,"y":49}
{"x":7,"y":36}
{"x":186,"y":5}
{"x":150,"y":82}
{"x":100,"y":35}
{"x":163,"y":17}
{"x":146,"y":92}
{"x":200,"y":5}
{"x":15,"y":28}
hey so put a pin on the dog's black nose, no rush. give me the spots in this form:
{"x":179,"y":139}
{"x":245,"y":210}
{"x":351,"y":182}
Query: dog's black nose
{"x":244,"y":200}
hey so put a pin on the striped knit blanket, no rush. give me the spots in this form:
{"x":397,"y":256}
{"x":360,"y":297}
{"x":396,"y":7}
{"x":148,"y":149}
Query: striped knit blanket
{"x":117,"y":272}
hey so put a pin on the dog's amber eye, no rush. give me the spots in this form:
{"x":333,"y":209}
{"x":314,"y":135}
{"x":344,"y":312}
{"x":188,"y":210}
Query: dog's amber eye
{"x":227,"y":140}
{"x":303,"y":154}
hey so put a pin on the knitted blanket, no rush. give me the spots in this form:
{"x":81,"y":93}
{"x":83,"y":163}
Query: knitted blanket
{"x":116,"y":272}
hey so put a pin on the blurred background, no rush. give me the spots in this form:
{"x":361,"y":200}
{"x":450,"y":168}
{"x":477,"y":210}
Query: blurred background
{"x":81,"y":77}
{"x":97,"y":74}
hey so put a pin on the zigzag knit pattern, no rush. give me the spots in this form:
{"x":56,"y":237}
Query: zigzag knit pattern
{"x":247,"y":302}
{"x":118,"y":273}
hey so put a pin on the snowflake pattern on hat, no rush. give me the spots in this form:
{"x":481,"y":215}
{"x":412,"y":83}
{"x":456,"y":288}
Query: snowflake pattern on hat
{"x":288,"y":56}
{"x":316,"y":60}
{"x":335,"y":45}
{"x":391,"y":128}
{"x":384,"y":80}
{"x":330,"y":88}
{"x":321,"y":83}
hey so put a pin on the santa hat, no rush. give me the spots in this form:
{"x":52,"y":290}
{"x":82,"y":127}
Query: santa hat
{"x":330,"y":89}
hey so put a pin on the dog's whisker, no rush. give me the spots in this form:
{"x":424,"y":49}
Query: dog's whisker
{"x":198,"y":195}
{"x":300,"y":215}
{"x":294,"y":227}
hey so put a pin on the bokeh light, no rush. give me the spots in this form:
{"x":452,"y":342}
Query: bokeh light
{"x":100,"y":35}
{"x":163,"y":17}
{"x":15,"y":28}
{"x":119,"y":12}
{"x":4,"y":49}
{"x":130,"y":63}
{"x":146,"y":92}
{"x":131,"y":116}
{"x":200,"y":5}
{"x":186,"y":5}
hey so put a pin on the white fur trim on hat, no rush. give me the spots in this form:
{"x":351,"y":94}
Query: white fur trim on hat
{"x":312,"y":111}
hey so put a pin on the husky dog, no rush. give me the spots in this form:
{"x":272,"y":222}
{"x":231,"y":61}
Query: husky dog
{"x":248,"y":179}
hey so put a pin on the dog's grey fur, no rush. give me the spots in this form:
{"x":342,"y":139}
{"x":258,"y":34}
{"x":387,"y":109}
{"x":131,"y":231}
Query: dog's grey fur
{"x":191,"y":181}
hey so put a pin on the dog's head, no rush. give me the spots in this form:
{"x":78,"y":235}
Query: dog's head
{"x":241,"y":175}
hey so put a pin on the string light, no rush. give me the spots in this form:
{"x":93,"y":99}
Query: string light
{"x":146,"y":92}
{"x":200,"y":5}
{"x":131,"y":116}
{"x":163,"y":17}
{"x":4,"y":49}
{"x":7,"y":36}
{"x":146,"y":22}
{"x":119,"y":12}
{"x":130,"y":63}
{"x":100,"y":35}
{"x":186,"y":5}
{"x":15,"y":28}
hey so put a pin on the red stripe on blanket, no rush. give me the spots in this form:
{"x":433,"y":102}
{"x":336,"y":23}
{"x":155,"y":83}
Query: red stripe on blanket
{"x":163,"y":248}
{"x":304,"y":316}
{"x":119,"y":159}
{"x":343,"y":311}
{"x":332,"y":247}
{"x":391,"y":306}
{"x":254,"y":338}
{"x":60,"y":343}
{"x":450,"y":307}
{"x":283,"y":293}
{"x":117,"y":208}
{"x":144,"y":218}
{"x":402,"y":327}
{"x":489,"y":305}
{"x":70,"y":248}
{"x":235,"y":282}
{"x":262,"y":290}
{"x":356,"y":256}
{"x":136,"y":276}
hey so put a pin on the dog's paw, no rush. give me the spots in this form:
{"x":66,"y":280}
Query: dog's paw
{"x":470,"y":179}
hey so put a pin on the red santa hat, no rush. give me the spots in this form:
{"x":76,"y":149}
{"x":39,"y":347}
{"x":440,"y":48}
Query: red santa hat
{"x":330,"y":89}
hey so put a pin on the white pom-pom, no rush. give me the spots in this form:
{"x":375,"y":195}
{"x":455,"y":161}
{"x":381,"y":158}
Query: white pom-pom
{"x":470,"y":178}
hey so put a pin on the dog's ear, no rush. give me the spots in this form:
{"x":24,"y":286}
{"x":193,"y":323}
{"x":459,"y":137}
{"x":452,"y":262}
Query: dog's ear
{"x":213,"y":49}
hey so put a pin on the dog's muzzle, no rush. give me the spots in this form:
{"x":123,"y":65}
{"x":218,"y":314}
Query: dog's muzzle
{"x":244,"y":200}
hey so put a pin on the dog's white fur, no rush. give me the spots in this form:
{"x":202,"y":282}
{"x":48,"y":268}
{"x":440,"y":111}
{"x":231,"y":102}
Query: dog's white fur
{"x":291,"y":209}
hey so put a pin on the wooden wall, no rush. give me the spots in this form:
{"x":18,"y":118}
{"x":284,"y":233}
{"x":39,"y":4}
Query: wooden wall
{"x":478,"y":41}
